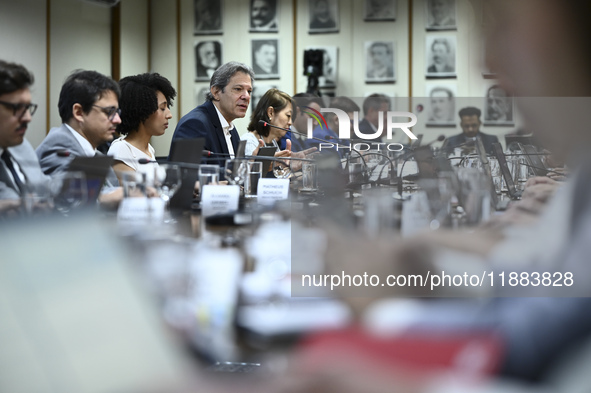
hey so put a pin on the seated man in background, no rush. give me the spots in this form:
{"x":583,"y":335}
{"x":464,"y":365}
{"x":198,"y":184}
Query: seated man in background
{"x":228,"y":99}
{"x":375,"y":112}
{"x":89,"y":108}
{"x":470,"y":123}
{"x":19,"y":167}
{"x":299,"y":128}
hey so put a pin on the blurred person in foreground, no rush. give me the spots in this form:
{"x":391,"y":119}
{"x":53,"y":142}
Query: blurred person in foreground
{"x":145,"y":112}
{"x":536,"y":333}
{"x":19,"y":167}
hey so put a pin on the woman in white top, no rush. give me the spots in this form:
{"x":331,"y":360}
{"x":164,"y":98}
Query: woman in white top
{"x":145,"y":102}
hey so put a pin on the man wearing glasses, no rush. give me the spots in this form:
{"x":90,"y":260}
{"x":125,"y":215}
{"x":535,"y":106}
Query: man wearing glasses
{"x":19,"y":167}
{"x":89,"y":108}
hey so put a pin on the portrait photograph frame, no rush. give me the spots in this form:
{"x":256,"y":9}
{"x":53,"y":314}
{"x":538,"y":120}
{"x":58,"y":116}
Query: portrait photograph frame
{"x":441,"y":104}
{"x":208,"y":17}
{"x":372,"y":11}
{"x":438,"y":17}
{"x":203,"y":72}
{"x":375,"y":54}
{"x":269,"y":25}
{"x":323,"y":16}
{"x":261,"y":54}
{"x":200,"y":91}
{"x":499,"y":107}
{"x":437,"y":47}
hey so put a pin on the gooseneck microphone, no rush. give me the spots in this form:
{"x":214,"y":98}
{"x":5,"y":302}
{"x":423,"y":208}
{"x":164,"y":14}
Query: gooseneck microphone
{"x":409,"y":155}
{"x":350,"y":147}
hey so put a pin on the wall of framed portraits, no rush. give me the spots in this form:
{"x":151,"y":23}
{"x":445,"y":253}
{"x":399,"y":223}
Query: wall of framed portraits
{"x":428,"y":49}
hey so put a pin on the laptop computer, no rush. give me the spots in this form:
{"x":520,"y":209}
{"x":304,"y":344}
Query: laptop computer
{"x":188,"y":154}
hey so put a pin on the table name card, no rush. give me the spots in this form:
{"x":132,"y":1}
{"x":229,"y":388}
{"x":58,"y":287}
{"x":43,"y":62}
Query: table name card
{"x":271,"y":190}
{"x":140,"y":210}
{"x":219,"y":200}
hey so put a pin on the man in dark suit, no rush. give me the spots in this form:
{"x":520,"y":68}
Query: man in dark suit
{"x":440,"y":53}
{"x":470,"y":123}
{"x":228,"y":99}
{"x":19,"y":168}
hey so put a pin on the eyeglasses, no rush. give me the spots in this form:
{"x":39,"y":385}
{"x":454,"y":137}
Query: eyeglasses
{"x":20,"y":109}
{"x":110,"y":111}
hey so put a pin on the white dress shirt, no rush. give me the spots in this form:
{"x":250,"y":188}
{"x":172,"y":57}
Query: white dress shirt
{"x":226,"y":127}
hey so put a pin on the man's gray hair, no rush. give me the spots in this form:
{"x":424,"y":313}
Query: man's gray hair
{"x":221,"y":76}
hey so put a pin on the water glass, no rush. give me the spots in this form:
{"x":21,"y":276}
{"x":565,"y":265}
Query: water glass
{"x":255,"y":171}
{"x":71,"y":191}
{"x":208,"y":175}
{"x":236,"y":171}
{"x":134,"y":184}
{"x":308,"y":176}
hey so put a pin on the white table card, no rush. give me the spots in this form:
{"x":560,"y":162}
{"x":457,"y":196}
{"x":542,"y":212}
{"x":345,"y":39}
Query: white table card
{"x":140,"y":210}
{"x":219,"y":199}
{"x":271,"y":190}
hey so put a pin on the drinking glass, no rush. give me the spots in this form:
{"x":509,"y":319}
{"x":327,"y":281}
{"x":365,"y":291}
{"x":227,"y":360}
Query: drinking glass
{"x":281,"y":169}
{"x":308,"y":176}
{"x":255,"y":171}
{"x":236,"y":171}
{"x":71,"y":191}
{"x":167,"y":180}
{"x":208,"y":174}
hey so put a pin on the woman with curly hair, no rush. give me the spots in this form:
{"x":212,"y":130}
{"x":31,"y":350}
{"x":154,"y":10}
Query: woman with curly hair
{"x":145,"y":103}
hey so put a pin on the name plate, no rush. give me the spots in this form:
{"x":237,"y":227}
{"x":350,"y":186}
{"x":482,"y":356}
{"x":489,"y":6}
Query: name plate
{"x":271,"y":190}
{"x":140,"y":210}
{"x":219,"y":200}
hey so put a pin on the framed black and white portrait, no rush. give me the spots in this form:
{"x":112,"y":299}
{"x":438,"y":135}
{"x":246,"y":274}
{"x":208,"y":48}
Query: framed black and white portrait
{"x":258,"y":90}
{"x":498,"y":107}
{"x":329,"y":65}
{"x":441,"y":106}
{"x":440,"y":56}
{"x":263,"y":16}
{"x":265,"y":58}
{"x":379,"y":62}
{"x":324,"y":16}
{"x":208,"y":57}
{"x":379,"y":10}
{"x":208,"y":17}
{"x":441,"y":15}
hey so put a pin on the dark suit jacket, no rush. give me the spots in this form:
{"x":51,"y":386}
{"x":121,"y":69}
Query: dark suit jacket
{"x":487,"y":140}
{"x":203,"y":122}
{"x":365,"y":128}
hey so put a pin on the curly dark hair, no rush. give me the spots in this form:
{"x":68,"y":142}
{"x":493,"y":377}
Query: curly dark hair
{"x":138,"y":99}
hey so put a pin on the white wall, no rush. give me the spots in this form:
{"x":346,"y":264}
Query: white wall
{"x":80,"y":39}
{"x":134,"y":37}
{"x":22,"y":40}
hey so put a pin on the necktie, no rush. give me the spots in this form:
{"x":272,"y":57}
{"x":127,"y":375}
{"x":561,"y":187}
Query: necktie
{"x":8,"y":162}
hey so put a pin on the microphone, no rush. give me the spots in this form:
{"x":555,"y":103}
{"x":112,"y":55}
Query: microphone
{"x":350,"y":147}
{"x":440,"y":138}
